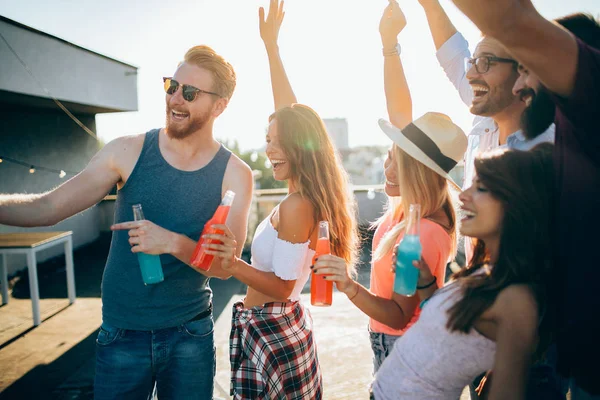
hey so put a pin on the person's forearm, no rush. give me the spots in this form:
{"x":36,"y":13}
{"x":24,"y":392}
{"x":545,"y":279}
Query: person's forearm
{"x":397,"y":93}
{"x":264,"y":282}
{"x":283,"y":94}
{"x":440,"y":25}
{"x":27,"y":210}
{"x":425,"y":294}
{"x":386,"y":311}
{"x":182,"y":248}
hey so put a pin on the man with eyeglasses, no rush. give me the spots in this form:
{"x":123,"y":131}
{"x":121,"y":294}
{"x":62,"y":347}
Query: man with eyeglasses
{"x":157,"y":336}
{"x":484,"y":83}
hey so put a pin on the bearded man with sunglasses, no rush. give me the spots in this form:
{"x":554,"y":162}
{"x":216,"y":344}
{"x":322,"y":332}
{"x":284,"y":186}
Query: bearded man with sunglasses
{"x":160,"y":335}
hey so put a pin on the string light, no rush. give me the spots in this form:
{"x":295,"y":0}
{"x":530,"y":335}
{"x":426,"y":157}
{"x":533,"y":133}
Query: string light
{"x":34,"y":168}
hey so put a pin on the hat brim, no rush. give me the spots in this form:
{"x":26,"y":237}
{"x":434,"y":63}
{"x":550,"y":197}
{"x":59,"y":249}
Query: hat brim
{"x":396,"y":135}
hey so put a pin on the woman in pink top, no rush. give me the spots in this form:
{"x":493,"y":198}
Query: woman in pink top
{"x":416,"y":171}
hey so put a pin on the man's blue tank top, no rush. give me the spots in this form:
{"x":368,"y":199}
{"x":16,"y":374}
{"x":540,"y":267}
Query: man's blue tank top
{"x":180,"y":201}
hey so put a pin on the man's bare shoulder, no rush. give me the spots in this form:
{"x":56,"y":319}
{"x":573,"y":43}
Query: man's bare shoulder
{"x":237,"y":168}
{"x":239,"y":164}
{"x":238,"y":177}
{"x":125,"y":145}
{"x":123,"y":153}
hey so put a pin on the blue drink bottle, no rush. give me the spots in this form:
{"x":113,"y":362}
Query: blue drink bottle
{"x":408,"y":251}
{"x":149,"y":263}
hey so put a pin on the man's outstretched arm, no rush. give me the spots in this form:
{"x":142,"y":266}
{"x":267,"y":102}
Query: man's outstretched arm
{"x":77,"y":194}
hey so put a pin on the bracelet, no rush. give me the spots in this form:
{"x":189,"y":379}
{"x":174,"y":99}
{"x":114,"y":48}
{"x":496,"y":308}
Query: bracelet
{"x":357,"y":290}
{"x":428,"y":285}
{"x":393,"y":52}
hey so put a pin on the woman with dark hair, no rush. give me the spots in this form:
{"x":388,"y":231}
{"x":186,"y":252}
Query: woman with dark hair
{"x":496,"y":314}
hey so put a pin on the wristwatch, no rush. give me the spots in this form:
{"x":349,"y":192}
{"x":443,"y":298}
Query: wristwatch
{"x":393,"y":52}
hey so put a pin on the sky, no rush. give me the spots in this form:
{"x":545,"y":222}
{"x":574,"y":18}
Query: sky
{"x":331,"y":50}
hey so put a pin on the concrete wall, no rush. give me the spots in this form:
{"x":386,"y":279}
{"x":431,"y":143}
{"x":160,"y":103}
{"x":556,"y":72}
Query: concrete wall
{"x":69,"y":72}
{"x":46,"y":138}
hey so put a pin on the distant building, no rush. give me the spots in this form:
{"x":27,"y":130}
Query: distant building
{"x":338,"y":130}
{"x":365,"y":164}
{"x":34,"y":130}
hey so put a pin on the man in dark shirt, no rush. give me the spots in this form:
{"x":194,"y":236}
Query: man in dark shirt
{"x":567,"y":70}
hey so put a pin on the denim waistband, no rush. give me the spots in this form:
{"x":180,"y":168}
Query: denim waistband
{"x":203,"y":314}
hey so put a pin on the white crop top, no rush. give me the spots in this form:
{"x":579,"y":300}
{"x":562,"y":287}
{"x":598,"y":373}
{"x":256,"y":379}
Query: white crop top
{"x":289,"y":261}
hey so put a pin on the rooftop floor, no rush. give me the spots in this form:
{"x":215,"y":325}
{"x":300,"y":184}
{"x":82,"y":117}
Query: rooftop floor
{"x":56,"y":359}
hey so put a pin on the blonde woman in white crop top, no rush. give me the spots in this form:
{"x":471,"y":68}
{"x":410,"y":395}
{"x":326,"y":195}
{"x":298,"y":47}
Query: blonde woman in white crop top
{"x":273,"y":352}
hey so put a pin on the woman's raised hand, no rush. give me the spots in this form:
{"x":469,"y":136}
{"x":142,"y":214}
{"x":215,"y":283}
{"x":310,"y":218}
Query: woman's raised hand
{"x":269,"y":27}
{"x":391,"y":24}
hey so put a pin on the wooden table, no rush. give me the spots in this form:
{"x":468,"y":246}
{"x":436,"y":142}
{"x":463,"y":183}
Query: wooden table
{"x":29,"y":244}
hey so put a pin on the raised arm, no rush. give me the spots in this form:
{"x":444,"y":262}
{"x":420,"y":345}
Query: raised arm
{"x":283,"y":95}
{"x":77,"y":194}
{"x":440,"y":25}
{"x":397,"y":94}
{"x":546,"y":49}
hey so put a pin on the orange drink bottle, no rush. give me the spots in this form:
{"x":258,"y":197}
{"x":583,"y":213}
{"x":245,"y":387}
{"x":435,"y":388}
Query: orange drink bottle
{"x":321,"y":290}
{"x":200,"y":259}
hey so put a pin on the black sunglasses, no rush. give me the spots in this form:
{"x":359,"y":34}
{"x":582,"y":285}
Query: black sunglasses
{"x":189,"y":92}
{"x":482,"y":64}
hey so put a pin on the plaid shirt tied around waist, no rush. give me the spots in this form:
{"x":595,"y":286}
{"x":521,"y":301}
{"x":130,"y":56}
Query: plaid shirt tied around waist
{"x":273,"y":354}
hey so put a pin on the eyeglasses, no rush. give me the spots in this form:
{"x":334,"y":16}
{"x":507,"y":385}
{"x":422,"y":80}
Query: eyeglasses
{"x":189,"y":92}
{"x":482,"y":64}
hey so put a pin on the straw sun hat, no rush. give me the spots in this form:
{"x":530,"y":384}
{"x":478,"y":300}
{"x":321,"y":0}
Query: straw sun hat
{"x":433,"y":140}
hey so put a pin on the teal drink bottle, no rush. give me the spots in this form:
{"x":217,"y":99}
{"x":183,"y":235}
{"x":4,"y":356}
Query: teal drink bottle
{"x":408,"y":251}
{"x":149,"y":263}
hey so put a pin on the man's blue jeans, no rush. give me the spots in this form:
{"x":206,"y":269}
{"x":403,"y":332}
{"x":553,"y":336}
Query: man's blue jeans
{"x":180,"y":361}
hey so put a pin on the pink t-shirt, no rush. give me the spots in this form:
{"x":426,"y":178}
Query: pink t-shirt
{"x":436,"y":244}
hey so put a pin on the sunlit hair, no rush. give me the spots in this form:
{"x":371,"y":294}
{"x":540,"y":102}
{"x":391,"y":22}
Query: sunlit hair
{"x":318,"y":175}
{"x":418,"y":184}
{"x":223,"y":73}
{"x":523,"y":182}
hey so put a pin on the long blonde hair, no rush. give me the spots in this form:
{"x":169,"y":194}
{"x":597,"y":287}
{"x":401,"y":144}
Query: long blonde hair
{"x":417,"y":184}
{"x":317,"y":172}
